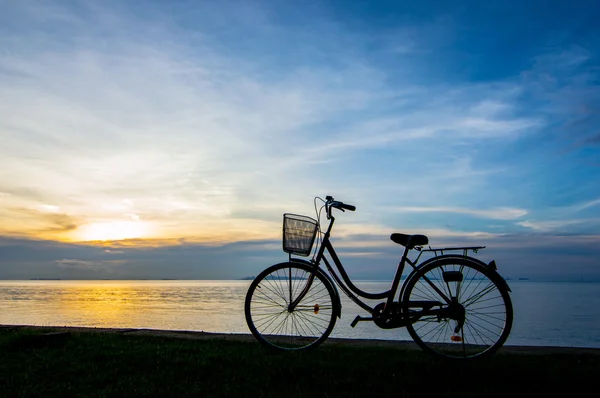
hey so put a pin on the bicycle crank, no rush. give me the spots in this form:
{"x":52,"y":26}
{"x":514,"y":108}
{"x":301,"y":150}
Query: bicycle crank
{"x":392,"y":320}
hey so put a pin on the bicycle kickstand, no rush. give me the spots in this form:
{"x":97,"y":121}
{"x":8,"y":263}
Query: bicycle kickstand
{"x":360,"y":319}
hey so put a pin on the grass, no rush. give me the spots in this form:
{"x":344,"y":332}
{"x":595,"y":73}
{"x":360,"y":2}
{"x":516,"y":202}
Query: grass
{"x":114,"y":365}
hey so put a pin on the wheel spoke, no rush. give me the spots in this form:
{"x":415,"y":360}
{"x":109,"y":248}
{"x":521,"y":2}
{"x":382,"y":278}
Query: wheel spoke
{"x":475,"y":297}
{"x":276,"y":291}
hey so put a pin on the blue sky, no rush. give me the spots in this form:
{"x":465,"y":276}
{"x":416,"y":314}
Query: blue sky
{"x":174,"y":134}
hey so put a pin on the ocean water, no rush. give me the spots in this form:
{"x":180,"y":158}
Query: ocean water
{"x":546,"y":313}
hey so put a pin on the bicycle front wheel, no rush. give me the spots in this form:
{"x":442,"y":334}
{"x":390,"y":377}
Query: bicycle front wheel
{"x":274,"y":323}
{"x":458,"y":308}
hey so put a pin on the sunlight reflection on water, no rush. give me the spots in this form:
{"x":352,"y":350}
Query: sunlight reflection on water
{"x":177,"y":305}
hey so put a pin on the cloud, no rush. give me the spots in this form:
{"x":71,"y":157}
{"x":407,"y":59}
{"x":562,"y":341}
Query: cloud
{"x":25,"y":258}
{"x":46,"y":220}
{"x":565,"y":83}
{"x":63,"y":222}
{"x":462,"y":113}
{"x":586,"y":205}
{"x":66,"y":263}
{"x":558,"y":225}
{"x":497,"y":214}
{"x":516,"y":254}
{"x":453,"y":234}
{"x":113,"y":251}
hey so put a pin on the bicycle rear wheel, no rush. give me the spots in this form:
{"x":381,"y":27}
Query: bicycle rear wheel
{"x":474,"y":322}
{"x":267,"y":307}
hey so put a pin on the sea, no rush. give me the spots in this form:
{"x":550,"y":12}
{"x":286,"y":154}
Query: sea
{"x":565,"y":314}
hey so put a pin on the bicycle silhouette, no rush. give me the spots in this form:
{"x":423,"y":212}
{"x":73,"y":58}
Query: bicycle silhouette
{"x":453,"y":305}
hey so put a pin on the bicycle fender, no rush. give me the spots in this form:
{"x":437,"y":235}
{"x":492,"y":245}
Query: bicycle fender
{"x":338,"y":303}
{"x":490,"y":266}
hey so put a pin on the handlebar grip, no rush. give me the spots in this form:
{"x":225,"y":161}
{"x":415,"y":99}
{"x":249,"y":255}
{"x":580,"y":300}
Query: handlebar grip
{"x":347,"y":207}
{"x":341,"y":205}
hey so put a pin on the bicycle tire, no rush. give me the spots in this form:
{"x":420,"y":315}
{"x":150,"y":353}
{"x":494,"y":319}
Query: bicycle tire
{"x":482,"y":294}
{"x":266,"y":307}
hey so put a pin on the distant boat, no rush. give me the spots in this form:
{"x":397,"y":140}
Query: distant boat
{"x":523,"y":279}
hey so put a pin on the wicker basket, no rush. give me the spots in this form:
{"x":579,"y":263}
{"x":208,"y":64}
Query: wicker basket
{"x":299,"y":234}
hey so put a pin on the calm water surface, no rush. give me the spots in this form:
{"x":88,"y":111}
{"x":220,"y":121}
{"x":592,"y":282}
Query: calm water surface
{"x":546,"y":313}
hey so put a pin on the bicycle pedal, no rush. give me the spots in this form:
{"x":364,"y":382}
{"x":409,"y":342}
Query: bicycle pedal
{"x":360,"y":319}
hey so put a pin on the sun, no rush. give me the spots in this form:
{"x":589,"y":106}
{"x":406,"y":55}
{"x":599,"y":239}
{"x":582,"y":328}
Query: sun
{"x":115,"y":230}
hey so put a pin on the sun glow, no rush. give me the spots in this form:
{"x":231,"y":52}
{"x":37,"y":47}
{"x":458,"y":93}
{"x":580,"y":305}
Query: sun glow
{"x":116,"y":230}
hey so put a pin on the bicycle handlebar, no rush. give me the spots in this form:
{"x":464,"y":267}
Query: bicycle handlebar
{"x":337,"y":205}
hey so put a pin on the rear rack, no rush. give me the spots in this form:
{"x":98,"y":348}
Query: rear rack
{"x":465,"y":249}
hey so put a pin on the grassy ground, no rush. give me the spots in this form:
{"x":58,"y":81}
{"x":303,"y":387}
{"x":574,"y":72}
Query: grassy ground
{"x":114,"y":365}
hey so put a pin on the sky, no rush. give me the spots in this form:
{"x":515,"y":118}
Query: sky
{"x":166,"y":139}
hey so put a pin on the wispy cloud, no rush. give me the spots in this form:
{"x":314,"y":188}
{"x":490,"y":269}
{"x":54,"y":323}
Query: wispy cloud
{"x":46,"y":220}
{"x":67,"y":263}
{"x":564,"y":81}
{"x":497,"y":214}
{"x":558,"y":225}
{"x":586,"y":205}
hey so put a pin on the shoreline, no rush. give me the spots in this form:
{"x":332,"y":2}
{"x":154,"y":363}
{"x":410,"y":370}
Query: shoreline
{"x":332,"y":341}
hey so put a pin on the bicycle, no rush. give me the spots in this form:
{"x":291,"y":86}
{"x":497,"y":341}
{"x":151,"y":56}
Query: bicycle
{"x":453,"y":305}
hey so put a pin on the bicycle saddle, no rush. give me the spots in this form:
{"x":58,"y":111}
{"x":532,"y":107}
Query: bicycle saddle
{"x":409,"y":241}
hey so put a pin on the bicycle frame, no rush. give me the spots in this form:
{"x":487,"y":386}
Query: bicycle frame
{"x":351,"y":290}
